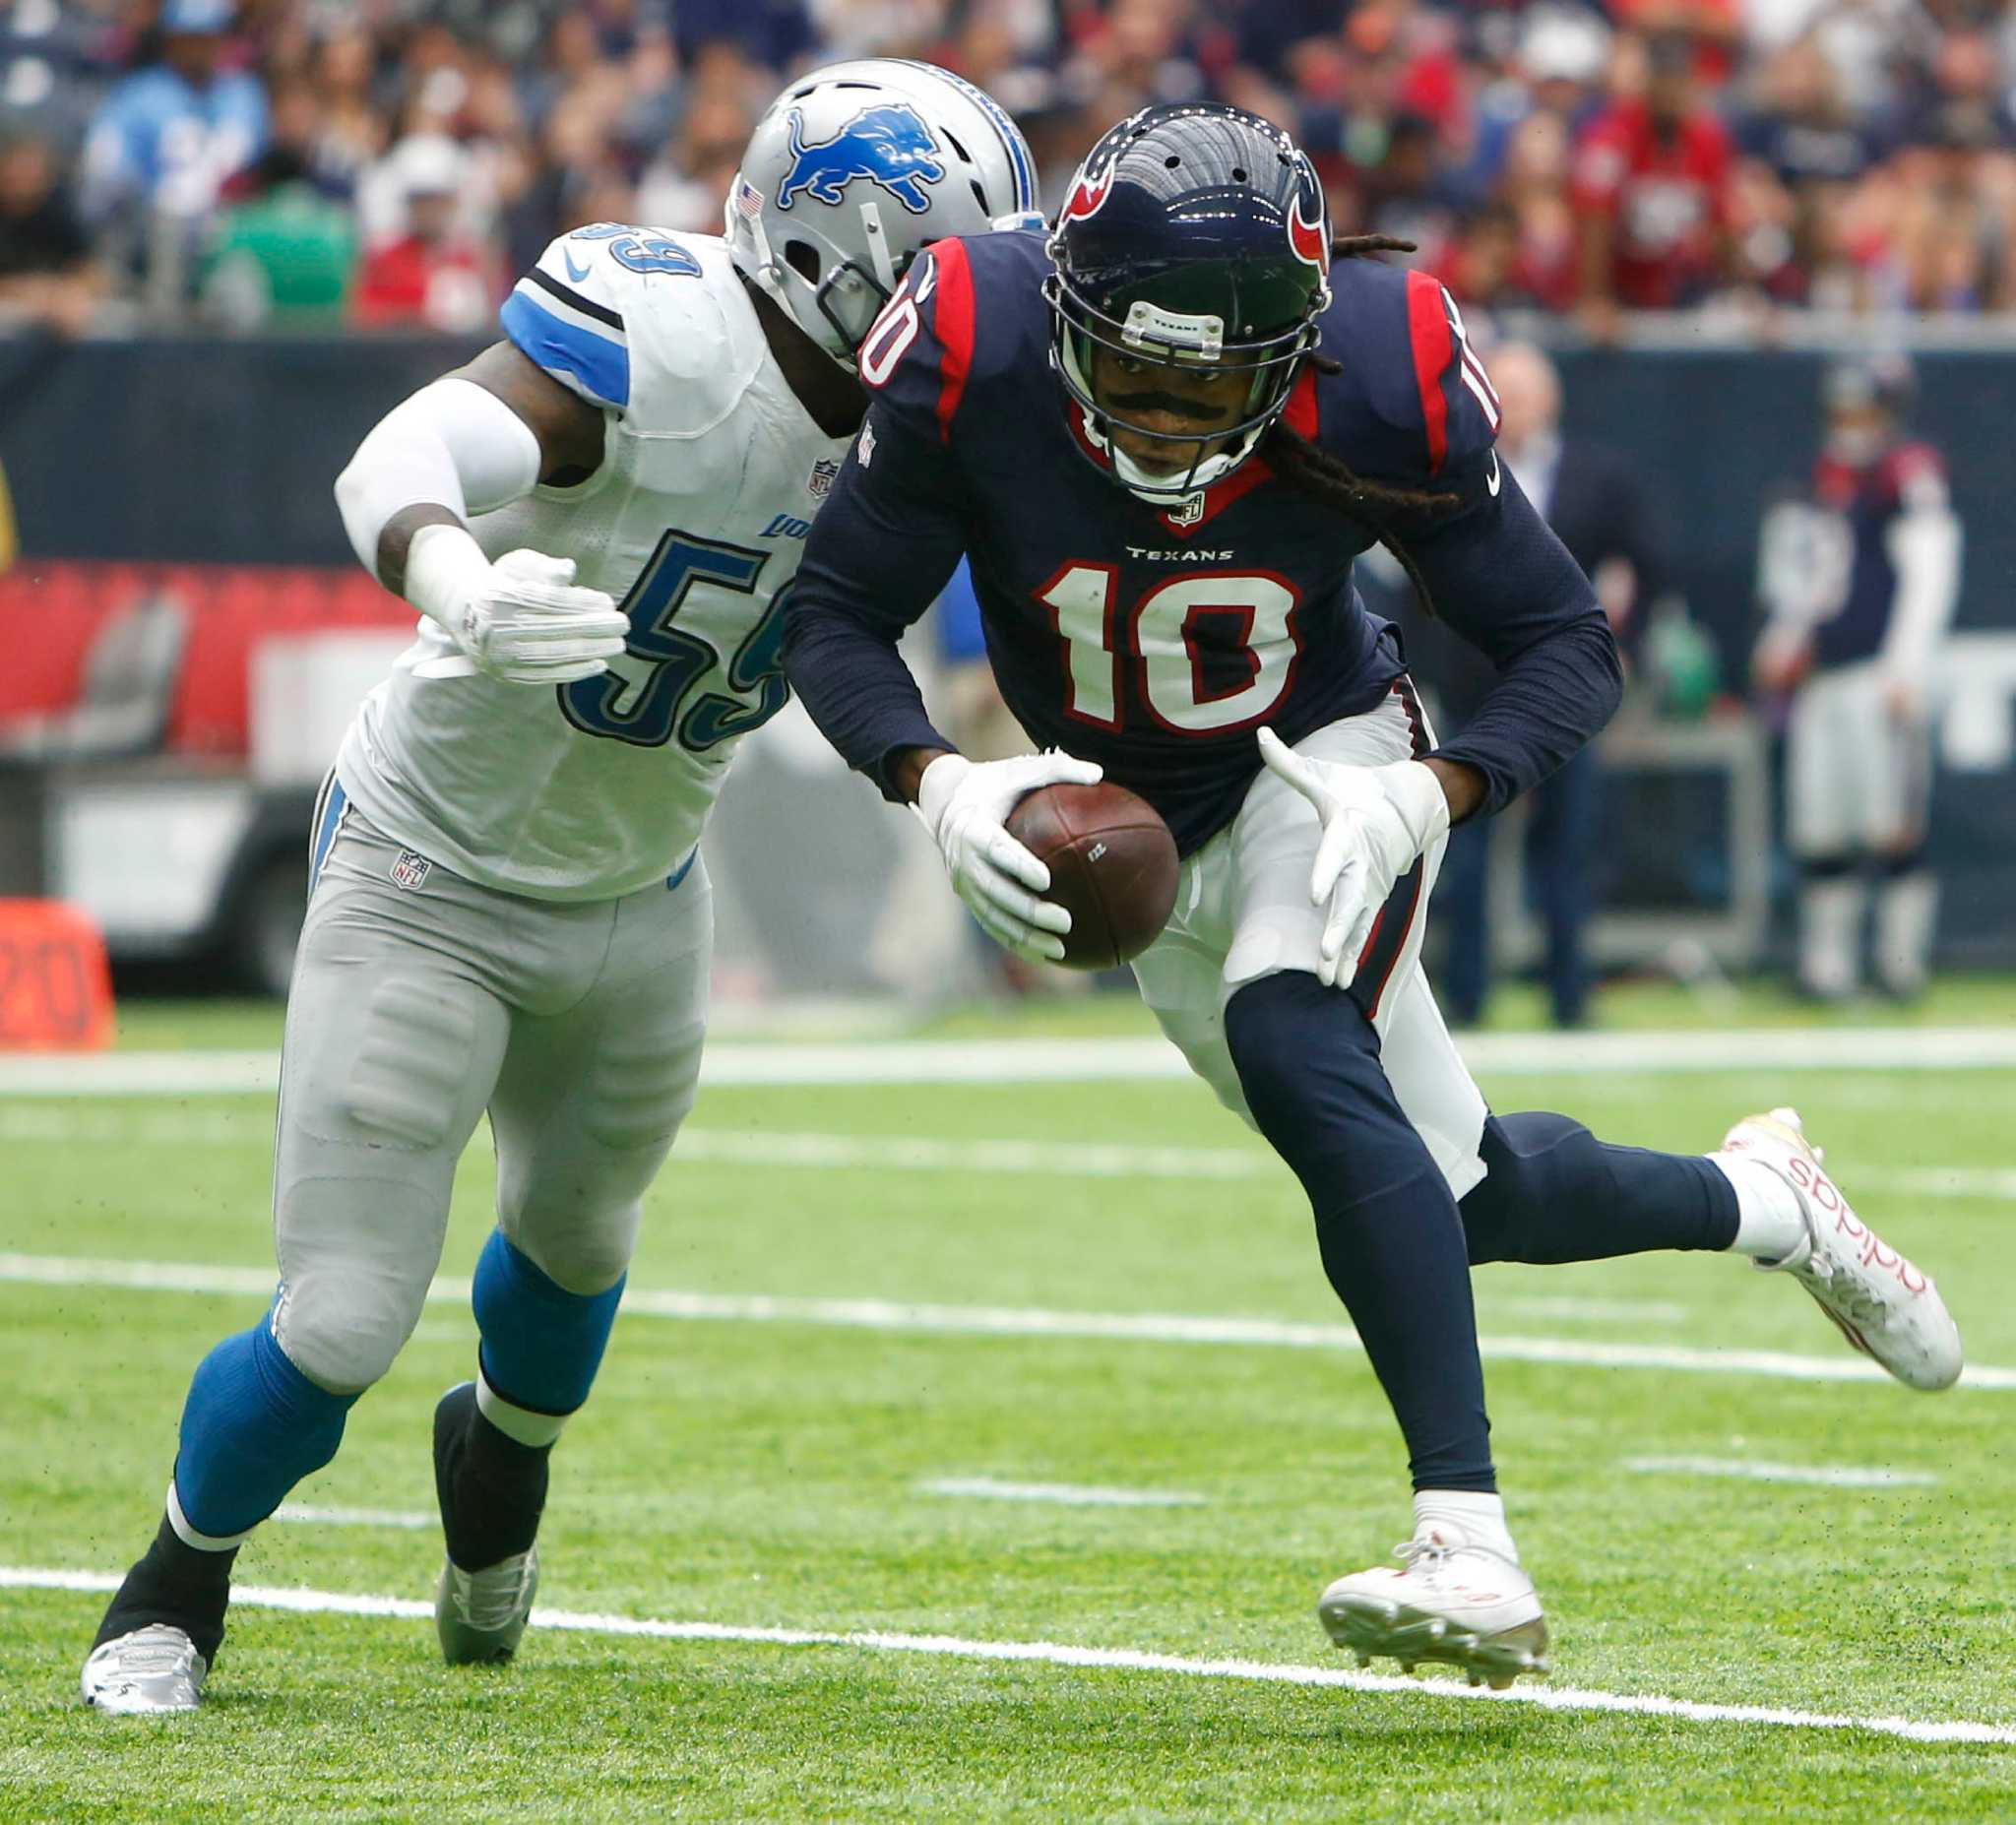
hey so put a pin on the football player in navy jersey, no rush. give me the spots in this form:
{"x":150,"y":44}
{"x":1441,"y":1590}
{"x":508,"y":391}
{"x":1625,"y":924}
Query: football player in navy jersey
{"x":1860,"y":580}
{"x":1163,"y":434}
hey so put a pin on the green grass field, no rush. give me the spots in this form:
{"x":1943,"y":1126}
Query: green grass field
{"x":769,"y":1467}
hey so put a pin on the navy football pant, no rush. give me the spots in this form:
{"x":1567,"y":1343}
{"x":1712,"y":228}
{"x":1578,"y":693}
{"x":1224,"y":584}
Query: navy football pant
{"x":1398,"y":1246}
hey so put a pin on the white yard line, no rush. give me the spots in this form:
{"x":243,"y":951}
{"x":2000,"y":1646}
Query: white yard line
{"x":940,"y":1320}
{"x":1045,"y":1159}
{"x":184,"y":1073}
{"x":315,"y":1516}
{"x":1753,"y":1470}
{"x":1097,"y":1660}
{"x":1063,"y":1494}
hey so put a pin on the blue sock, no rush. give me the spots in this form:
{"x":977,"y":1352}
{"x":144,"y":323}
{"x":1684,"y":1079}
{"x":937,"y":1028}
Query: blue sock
{"x":542,"y":1343}
{"x":252,"y":1427}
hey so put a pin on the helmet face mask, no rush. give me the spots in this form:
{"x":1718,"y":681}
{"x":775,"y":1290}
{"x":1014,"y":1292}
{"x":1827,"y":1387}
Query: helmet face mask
{"x":1190,"y":268}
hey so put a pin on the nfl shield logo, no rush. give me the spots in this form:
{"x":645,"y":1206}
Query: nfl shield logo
{"x":411,"y":871}
{"x":823,"y":474}
{"x":1188,"y":513}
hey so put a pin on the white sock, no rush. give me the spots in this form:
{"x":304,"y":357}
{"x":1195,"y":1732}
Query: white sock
{"x":1768,"y":1220}
{"x":1477,"y":1515}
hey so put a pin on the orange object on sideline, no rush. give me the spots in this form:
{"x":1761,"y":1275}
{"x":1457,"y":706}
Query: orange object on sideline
{"x":55,"y":987}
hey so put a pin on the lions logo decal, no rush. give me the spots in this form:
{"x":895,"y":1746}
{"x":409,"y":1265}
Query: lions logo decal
{"x":889,"y":144}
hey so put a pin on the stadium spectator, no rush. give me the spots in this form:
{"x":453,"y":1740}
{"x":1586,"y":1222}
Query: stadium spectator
{"x":170,"y":135}
{"x":1858,"y":155}
{"x":1652,"y":188}
{"x":46,"y":272}
{"x":435,"y":274}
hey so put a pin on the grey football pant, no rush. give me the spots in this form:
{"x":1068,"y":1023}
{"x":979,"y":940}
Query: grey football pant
{"x":413,"y":1010}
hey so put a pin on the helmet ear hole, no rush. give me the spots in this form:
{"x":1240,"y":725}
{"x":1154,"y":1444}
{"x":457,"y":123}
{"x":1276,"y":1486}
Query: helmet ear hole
{"x":803,"y":259}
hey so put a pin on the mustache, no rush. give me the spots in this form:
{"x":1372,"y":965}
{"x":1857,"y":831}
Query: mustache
{"x":1170,"y":403}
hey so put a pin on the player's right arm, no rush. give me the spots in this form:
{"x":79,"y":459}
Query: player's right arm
{"x":468,"y":443}
{"x":879,"y":553}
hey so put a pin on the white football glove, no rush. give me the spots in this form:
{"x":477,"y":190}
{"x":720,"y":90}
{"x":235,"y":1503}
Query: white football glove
{"x":521,"y":619}
{"x":965,"y":805}
{"x":1376,"y":822}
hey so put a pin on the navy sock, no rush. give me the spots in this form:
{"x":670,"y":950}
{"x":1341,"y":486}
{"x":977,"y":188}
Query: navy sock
{"x":252,"y":1427}
{"x":1391,"y":1237}
{"x":1553,"y":1192}
{"x":542,"y":1343}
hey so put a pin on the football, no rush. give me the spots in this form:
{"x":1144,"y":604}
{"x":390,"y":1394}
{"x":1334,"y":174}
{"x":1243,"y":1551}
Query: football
{"x":1112,"y":867}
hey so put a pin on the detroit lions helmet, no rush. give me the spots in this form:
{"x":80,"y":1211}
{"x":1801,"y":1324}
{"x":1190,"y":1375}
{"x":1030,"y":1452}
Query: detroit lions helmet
{"x":852,"y":170}
{"x":1195,"y":237}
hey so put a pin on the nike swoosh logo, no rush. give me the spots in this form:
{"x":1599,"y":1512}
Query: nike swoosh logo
{"x":580,"y":273}
{"x":1494,"y":481}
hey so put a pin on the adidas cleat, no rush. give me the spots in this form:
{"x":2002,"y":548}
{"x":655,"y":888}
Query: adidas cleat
{"x":153,"y":1671}
{"x":1469,"y":1607}
{"x":1883,"y":1306}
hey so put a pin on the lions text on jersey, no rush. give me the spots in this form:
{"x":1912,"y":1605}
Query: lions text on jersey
{"x":694,"y":522}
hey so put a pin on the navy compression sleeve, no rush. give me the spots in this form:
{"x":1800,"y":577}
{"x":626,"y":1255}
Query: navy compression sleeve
{"x":1502,"y":579}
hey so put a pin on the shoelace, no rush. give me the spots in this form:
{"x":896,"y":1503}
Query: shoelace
{"x":487,"y":1606}
{"x":152,"y":1654}
{"x":1431,"y":1554}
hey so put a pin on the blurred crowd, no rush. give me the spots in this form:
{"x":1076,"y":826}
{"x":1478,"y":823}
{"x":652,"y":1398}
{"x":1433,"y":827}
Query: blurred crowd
{"x":393,"y":162}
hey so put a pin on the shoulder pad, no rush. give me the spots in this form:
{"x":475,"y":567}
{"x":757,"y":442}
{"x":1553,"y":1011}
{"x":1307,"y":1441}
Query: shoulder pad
{"x":931,"y":349}
{"x":651,"y":325}
{"x":1413,"y":400}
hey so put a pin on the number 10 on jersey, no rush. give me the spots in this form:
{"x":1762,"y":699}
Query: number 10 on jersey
{"x":1217,"y":650}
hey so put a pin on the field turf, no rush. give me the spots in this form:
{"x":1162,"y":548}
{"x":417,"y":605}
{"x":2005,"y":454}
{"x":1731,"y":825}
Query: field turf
{"x":771,"y":1466}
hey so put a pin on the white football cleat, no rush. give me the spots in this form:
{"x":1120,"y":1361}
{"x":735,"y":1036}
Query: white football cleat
{"x":1471,"y":1606}
{"x":153,"y":1670}
{"x":1883,"y":1306}
{"x":481,"y":1616}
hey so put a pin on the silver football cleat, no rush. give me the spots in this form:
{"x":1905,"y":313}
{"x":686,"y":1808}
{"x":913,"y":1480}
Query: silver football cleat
{"x":153,"y":1671}
{"x":481,"y":1617}
{"x":1452,"y":1601}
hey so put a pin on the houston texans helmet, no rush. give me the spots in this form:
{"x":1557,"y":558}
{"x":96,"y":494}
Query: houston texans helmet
{"x":1195,"y":237}
{"x":852,"y":170}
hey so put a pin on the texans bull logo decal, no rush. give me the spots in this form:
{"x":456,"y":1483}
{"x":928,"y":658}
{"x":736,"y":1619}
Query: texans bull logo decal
{"x":888,"y":144}
{"x":1087,"y":195}
{"x":1312,"y":246}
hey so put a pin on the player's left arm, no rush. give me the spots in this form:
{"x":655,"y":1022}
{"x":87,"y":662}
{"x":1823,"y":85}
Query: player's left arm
{"x":1497,"y":574}
{"x":1925,"y":543}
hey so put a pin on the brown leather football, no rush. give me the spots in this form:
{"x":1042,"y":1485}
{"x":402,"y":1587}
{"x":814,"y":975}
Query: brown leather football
{"x":1112,"y":867}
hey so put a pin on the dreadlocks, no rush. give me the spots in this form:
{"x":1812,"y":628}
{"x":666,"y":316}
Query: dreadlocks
{"x":1327,"y":478}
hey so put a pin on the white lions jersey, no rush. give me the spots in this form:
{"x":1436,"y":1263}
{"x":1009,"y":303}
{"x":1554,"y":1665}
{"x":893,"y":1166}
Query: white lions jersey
{"x":695,"y":522}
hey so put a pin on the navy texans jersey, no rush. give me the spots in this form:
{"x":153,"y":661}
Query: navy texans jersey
{"x":1855,"y":565}
{"x":1158,"y":640}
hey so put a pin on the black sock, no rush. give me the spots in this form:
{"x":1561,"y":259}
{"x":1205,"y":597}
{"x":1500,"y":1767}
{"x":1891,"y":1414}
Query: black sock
{"x":492,"y":1488}
{"x":175,"y":1582}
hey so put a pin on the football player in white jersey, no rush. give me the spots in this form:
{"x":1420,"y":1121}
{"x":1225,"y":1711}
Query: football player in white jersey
{"x":598,"y":520}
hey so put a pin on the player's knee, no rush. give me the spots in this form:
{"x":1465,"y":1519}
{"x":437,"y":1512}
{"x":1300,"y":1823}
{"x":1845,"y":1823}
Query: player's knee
{"x":343,"y":1329}
{"x":1532,"y":1161}
{"x":1290,"y":1040}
